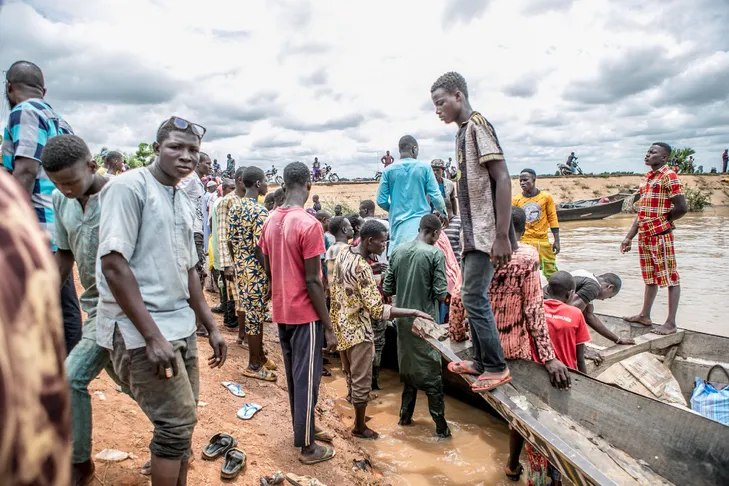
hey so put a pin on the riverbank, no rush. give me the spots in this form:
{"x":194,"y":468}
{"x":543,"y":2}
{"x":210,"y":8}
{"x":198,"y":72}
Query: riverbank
{"x":564,"y":189}
{"x":267,"y":439}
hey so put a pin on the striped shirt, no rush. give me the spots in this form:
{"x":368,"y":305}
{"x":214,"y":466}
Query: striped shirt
{"x":30,"y":125}
{"x":477,"y":146}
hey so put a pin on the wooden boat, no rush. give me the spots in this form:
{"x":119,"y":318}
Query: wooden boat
{"x":600,"y":434}
{"x":587,"y":209}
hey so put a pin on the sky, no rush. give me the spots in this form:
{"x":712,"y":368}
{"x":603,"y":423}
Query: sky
{"x":284,"y":80}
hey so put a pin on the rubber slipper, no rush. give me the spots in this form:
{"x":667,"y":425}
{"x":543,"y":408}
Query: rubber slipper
{"x":297,"y":480}
{"x":234,"y":388}
{"x":323,"y":436}
{"x":270,"y":365}
{"x":325,"y":372}
{"x":261,"y":374}
{"x":233,"y":464}
{"x":329,"y":453}
{"x":490,"y":383}
{"x":276,"y":478}
{"x":248,"y":411}
{"x":514,"y":475}
{"x":462,"y":368}
{"x":218,"y":445}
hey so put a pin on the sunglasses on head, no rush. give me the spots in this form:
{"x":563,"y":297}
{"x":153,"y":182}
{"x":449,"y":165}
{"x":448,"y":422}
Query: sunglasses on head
{"x":183,"y":124}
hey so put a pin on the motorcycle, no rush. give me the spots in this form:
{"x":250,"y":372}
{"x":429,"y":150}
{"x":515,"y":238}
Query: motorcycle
{"x":272,"y":178}
{"x":325,"y":175}
{"x":378,"y":176}
{"x":565,"y":170}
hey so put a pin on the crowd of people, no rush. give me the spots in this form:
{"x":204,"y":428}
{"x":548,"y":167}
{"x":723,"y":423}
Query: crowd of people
{"x":146,"y":241}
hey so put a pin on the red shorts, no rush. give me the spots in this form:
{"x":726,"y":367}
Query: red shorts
{"x":658,"y":260}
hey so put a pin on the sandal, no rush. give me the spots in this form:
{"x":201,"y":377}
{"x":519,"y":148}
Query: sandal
{"x":514,"y":475}
{"x":329,"y":453}
{"x":297,"y":480}
{"x":325,"y":372}
{"x":233,"y":464}
{"x":463,"y":368}
{"x":487,"y":382}
{"x":218,"y":445}
{"x":262,"y":374}
{"x":323,"y":436}
{"x":234,"y":388}
{"x":248,"y":411}
{"x":270,"y":365}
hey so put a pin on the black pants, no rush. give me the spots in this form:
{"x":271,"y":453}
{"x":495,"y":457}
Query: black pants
{"x":301,"y":346}
{"x":72,"y":326}
{"x":436,"y":405}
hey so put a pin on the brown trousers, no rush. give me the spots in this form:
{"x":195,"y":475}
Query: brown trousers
{"x":357,"y":366}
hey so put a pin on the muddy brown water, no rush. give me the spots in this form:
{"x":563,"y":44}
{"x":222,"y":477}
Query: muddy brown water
{"x":479,"y":448}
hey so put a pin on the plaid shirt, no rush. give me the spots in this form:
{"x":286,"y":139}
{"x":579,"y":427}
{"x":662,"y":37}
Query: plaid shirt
{"x":655,"y":202}
{"x":30,"y":125}
{"x":226,"y":259}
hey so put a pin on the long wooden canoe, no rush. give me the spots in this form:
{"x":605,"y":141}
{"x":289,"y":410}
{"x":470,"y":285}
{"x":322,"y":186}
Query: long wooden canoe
{"x":599,"y":434}
{"x":596,"y":211}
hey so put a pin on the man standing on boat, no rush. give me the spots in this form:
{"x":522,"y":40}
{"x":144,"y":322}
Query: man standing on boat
{"x":541,"y":214}
{"x":661,"y":203}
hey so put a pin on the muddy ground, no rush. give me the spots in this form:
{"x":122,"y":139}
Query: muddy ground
{"x":267,"y":439}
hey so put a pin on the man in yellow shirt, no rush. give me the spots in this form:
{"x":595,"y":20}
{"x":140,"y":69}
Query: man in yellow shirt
{"x":541,"y":213}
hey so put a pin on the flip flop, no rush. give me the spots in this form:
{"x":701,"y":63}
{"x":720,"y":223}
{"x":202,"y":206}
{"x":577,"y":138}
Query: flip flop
{"x":329,"y":453}
{"x":491,"y":383}
{"x":262,"y":374}
{"x":233,"y":464}
{"x":218,"y":445}
{"x":297,"y":480}
{"x":462,"y":368}
{"x":270,"y":365}
{"x":234,"y":388}
{"x":514,"y":475}
{"x":324,"y":436}
{"x":276,"y":478}
{"x":248,"y":411}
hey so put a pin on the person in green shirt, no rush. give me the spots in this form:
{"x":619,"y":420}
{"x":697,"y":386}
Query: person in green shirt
{"x":417,"y":277}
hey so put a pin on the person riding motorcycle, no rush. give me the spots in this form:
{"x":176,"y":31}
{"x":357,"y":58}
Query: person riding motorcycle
{"x":316,"y":166}
{"x":572,"y":157}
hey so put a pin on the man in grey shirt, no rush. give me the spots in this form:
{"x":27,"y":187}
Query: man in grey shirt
{"x":150,"y":294}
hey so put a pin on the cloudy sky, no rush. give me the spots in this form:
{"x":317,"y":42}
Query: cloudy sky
{"x":283,"y":80}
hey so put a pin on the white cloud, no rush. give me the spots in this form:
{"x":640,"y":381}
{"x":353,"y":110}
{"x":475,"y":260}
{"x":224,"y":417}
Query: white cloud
{"x":285,"y":80}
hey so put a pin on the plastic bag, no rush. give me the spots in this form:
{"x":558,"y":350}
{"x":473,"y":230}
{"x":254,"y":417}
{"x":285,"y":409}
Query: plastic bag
{"x":711,"y":399}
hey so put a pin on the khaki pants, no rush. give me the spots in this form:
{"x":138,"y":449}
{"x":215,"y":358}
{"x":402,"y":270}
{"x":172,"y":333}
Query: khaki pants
{"x":357,"y":366}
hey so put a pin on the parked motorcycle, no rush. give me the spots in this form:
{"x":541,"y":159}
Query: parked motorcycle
{"x":326,"y":175}
{"x":378,"y":175}
{"x":272,"y":178}
{"x":565,"y":170}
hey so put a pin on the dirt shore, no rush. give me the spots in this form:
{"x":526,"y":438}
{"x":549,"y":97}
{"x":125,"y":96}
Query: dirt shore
{"x":563,"y":189}
{"x":267,"y":439}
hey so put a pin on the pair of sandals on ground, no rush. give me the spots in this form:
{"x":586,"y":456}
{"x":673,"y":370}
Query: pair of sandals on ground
{"x":486,"y":380}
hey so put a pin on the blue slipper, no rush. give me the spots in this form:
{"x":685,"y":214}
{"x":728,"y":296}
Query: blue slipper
{"x":235,"y":388}
{"x":248,"y":411}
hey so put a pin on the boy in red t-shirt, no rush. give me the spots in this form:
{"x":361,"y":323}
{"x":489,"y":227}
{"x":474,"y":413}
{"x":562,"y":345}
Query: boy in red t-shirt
{"x":567,"y":327}
{"x":292,"y":242}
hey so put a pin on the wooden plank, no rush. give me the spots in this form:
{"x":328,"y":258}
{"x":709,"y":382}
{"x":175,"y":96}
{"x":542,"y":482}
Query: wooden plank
{"x":572,"y":464}
{"x":674,"y":442}
{"x":646,"y":342}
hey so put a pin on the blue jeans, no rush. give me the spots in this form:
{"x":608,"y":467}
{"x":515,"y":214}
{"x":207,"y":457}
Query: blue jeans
{"x":83,"y":365}
{"x":477,"y":274}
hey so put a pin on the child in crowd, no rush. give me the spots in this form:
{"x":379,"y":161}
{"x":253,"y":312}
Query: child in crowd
{"x":340,"y":227}
{"x":356,"y":221}
{"x":292,"y":242}
{"x":355,"y":302}
{"x":417,"y":276}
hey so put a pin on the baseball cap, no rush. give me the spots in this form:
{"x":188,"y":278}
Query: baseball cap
{"x":437,"y":164}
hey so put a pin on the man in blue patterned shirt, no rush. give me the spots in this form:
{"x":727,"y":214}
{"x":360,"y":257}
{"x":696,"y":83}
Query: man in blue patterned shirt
{"x":31,"y":123}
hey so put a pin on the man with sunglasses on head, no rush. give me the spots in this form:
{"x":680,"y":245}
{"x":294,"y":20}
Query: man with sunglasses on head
{"x":150,"y":295}
{"x":31,"y":123}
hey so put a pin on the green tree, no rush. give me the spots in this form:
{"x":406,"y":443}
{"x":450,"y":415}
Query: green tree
{"x":682,"y":157}
{"x":142,"y":157}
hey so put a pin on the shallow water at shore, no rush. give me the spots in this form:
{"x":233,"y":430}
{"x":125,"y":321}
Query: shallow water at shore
{"x":411,"y":455}
{"x":702,"y":256}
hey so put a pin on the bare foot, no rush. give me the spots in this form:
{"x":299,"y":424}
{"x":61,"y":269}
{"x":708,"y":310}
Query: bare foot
{"x":639,"y":319}
{"x":367,"y":433}
{"x":665,"y":329}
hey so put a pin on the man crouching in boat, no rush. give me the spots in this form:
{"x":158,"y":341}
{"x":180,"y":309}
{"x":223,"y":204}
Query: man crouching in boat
{"x":516,"y":300}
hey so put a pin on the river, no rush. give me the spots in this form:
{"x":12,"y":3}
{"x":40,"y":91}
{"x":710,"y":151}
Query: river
{"x":411,"y":456}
